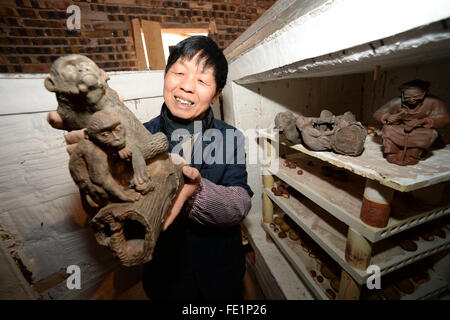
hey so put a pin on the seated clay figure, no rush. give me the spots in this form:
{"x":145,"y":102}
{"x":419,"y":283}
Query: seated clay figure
{"x":285,"y":121}
{"x":409,"y":122}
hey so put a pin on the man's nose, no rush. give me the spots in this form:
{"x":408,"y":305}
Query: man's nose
{"x":188,"y":84}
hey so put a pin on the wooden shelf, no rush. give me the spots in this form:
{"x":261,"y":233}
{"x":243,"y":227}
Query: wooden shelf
{"x":428,"y":290}
{"x":276,"y":275}
{"x":301,"y":262}
{"x":371,"y":164}
{"x":330,"y":234}
{"x":343,"y":199}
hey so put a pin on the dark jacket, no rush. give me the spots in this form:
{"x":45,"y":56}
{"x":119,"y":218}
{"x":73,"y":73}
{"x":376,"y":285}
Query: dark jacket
{"x":192,"y":261}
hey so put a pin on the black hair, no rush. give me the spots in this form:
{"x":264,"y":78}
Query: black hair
{"x":209,"y":51}
{"x":415,"y":84}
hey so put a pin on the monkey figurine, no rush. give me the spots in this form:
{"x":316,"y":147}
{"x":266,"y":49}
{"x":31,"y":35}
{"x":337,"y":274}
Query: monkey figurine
{"x":96,"y":157}
{"x":81,"y":90}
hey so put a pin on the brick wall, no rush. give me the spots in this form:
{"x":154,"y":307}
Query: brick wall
{"x":33,"y":33}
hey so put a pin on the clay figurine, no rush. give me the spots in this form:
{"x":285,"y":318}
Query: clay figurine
{"x":409,"y":122}
{"x":341,"y":134}
{"x":93,"y":161}
{"x":81,"y":89}
{"x":285,"y":122}
{"x":118,"y":165}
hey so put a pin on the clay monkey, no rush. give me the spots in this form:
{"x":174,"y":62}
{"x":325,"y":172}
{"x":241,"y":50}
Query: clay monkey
{"x":92,"y":162}
{"x":81,"y":90}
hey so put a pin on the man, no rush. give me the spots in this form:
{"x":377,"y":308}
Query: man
{"x":200,"y":256}
{"x":409,"y":121}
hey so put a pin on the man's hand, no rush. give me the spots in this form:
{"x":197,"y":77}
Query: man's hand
{"x":192,"y":180}
{"x":72,"y":138}
{"x":388,"y":118}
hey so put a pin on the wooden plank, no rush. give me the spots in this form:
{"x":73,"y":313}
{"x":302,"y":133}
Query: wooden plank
{"x":343,"y":199}
{"x":271,"y":264}
{"x":371,"y":164}
{"x":301,"y":262}
{"x":13,"y":284}
{"x":154,"y":45}
{"x":330,"y":236}
{"x":140,"y":54}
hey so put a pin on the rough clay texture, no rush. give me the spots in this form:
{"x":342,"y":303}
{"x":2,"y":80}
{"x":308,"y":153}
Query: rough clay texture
{"x":119,"y":164}
{"x":341,"y":134}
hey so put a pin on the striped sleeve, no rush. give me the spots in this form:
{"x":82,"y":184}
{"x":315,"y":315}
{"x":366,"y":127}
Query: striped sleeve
{"x":219,"y":205}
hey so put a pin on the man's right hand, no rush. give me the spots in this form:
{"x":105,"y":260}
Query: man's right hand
{"x":72,"y":138}
{"x":388,"y":118}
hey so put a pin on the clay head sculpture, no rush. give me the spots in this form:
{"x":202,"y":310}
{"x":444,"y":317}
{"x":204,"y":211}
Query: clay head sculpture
{"x":409,"y":122}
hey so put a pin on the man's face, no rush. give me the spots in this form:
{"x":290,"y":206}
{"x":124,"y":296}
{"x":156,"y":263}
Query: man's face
{"x":412,"y":97}
{"x":189,"y":89}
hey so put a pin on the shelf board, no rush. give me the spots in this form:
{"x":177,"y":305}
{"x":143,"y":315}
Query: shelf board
{"x":371,"y":164}
{"x":330,"y":235}
{"x":277,"y":274}
{"x":301,"y":262}
{"x":428,"y":290}
{"x":343,"y":199}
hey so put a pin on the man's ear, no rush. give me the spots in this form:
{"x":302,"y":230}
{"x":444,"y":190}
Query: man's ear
{"x":49,"y":84}
{"x":213,"y":100}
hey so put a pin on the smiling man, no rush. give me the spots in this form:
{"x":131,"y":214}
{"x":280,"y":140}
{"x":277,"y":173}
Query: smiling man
{"x":200,"y":255}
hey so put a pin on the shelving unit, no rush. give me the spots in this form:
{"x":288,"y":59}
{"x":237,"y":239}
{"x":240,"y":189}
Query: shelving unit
{"x":330,"y":234}
{"x":344,"y":200}
{"x":278,"y":65}
{"x":330,"y":207}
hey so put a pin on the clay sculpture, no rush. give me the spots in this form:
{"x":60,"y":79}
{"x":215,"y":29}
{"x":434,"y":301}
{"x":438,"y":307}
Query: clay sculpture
{"x":341,"y":134}
{"x":118,"y":165}
{"x":285,"y":122}
{"x":409,"y":123}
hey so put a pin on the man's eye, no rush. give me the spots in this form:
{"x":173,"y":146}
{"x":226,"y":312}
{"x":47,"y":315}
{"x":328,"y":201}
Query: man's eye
{"x":105,"y":134}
